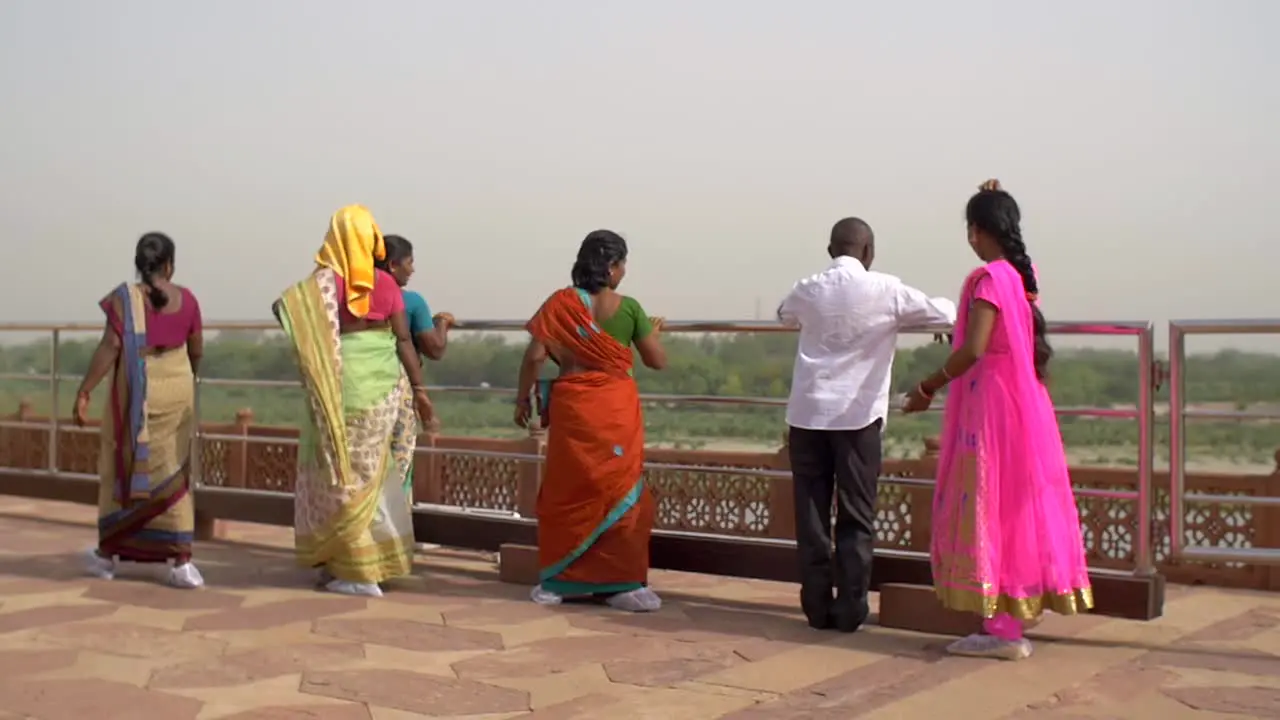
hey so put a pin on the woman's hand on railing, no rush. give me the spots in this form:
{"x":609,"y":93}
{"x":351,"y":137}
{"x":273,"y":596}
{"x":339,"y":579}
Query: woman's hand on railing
{"x":80,"y":413}
{"x":657,"y":323}
{"x":422,"y":405}
{"x":524,"y":410}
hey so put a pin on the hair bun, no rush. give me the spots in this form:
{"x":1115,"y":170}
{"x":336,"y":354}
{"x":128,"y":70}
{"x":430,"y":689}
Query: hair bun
{"x":992,"y":184}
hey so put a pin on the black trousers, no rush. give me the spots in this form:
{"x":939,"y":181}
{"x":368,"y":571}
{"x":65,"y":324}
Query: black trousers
{"x":844,"y":466}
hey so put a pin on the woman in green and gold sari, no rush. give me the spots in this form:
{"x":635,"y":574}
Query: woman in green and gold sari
{"x":363,"y":380}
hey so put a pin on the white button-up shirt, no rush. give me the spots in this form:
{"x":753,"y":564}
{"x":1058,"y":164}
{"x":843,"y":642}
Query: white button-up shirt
{"x":849,"y":318}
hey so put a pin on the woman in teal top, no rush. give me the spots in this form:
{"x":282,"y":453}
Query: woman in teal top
{"x":430,"y":334}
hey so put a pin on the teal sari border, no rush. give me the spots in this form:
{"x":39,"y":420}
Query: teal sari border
{"x":624,"y":506}
{"x":577,"y":589}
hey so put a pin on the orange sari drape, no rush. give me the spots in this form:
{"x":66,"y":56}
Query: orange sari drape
{"x":595,"y":514}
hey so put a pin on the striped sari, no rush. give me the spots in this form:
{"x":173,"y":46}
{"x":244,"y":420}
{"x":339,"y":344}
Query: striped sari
{"x":145,"y":511}
{"x":351,"y":515}
{"x":595,"y":514}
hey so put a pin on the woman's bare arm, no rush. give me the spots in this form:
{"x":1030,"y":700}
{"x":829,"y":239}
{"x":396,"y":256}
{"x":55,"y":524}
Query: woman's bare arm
{"x":534,"y":356}
{"x":195,"y":349}
{"x":982,"y":320}
{"x":433,"y":342}
{"x":652,"y":354}
{"x":103,"y":360}
{"x":405,"y":349}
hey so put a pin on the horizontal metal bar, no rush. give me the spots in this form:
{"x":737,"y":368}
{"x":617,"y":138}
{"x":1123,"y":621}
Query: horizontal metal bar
{"x":26,"y":376}
{"x":242,"y":492}
{"x":719,"y":470}
{"x":23,"y":425}
{"x":1106,"y":494}
{"x":46,"y":472}
{"x":1251,"y":500}
{"x":252,"y":439}
{"x":1242,"y":415}
{"x":247,"y":382}
{"x":666,"y":467}
{"x":492,"y":454}
{"x":1246,"y":556}
{"x":1250,"y":326}
{"x":1073,"y":327}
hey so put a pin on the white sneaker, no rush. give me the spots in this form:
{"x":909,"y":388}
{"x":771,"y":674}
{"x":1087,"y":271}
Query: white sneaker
{"x":990,"y":646}
{"x":544,"y":597}
{"x":185,"y":576}
{"x":98,"y":566}
{"x":639,"y":600}
{"x":323,"y":576}
{"x":344,"y":587}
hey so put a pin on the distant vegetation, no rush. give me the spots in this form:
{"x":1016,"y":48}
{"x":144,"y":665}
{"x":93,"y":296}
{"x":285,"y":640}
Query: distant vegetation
{"x":748,"y":365}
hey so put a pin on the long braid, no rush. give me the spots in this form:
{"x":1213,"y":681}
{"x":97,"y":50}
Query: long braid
{"x":1015,"y":251}
{"x":996,"y":213}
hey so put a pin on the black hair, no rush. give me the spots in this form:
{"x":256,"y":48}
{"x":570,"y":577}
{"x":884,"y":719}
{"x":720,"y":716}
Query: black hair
{"x":996,"y":213}
{"x":398,"y":249}
{"x":851,"y":234}
{"x":600,"y":250}
{"x":155,"y":252}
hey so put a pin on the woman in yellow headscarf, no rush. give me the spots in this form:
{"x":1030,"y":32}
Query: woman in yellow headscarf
{"x":363,"y":380}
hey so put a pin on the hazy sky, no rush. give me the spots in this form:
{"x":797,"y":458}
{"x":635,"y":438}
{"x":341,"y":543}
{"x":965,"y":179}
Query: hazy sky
{"x":721,"y":137}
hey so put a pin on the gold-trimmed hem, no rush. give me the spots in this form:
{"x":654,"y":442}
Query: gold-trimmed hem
{"x":1074,"y":602}
{"x":366,"y":562}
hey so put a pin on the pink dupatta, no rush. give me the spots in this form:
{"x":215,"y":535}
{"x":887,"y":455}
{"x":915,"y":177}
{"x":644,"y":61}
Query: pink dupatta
{"x":1006,"y":534}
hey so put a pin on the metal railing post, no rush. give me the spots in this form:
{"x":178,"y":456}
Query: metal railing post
{"x":54,"y":400}
{"x":1177,"y":439}
{"x":1144,"y":558}
{"x":197,"y":467}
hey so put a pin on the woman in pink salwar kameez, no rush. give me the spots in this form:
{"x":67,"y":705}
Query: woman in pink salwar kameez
{"x":1006,"y":532}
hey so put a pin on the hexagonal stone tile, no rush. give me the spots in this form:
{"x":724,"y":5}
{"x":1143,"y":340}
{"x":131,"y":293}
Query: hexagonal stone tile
{"x":664,"y":673}
{"x":1254,"y":702}
{"x":557,"y":655}
{"x":425,"y":694}
{"x":497,"y":613}
{"x":54,"y":615}
{"x":29,"y":662}
{"x":1240,"y":627}
{"x":34,"y":585}
{"x":695,"y":624}
{"x":407,"y":634}
{"x":346,"y":711}
{"x":255,"y":665}
{"x":160,"y":597}
{"x":133,"y":640}
{"x":276,"y":614}
{"x":92,"y":698}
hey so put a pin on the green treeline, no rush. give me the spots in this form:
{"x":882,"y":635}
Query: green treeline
{"x":742,"y":365}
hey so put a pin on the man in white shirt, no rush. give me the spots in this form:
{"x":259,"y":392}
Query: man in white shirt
{"x":849,"y":318}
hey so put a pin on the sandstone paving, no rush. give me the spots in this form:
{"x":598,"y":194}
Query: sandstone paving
{"x":262,"y":643}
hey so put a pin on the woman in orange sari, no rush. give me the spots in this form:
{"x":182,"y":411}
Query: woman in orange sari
{"x":594,"y":512}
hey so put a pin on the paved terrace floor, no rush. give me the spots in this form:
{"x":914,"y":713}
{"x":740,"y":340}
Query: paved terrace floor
{"x":452,"y":642}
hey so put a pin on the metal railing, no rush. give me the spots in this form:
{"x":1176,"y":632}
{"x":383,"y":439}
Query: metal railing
{"x":1143,"y":412}
{"x":1179,"y":414}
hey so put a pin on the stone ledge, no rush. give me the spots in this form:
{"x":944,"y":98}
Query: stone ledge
{"x":518,"y":564}
{"x":916,"y":608}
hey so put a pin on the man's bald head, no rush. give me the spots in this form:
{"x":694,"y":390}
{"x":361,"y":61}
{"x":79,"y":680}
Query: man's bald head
{"x":852,"y":237}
